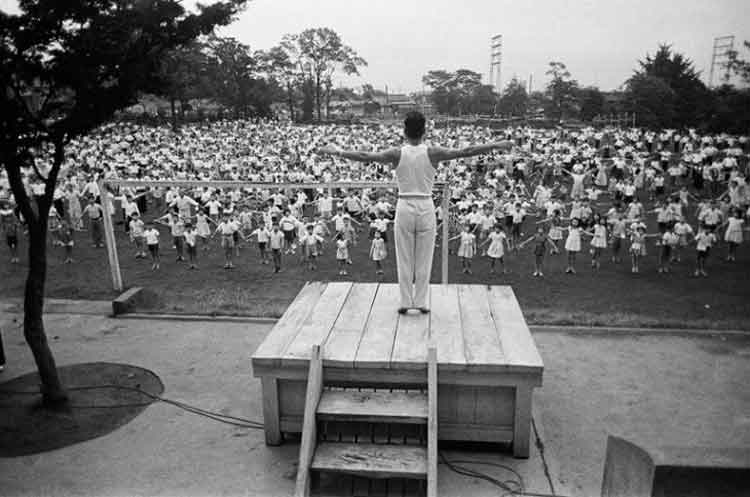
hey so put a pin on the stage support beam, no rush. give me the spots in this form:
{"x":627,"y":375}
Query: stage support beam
{"x":109,"y":238}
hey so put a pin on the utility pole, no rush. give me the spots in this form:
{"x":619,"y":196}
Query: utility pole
{"x":720,"y":58}
{"x":496,"y":59}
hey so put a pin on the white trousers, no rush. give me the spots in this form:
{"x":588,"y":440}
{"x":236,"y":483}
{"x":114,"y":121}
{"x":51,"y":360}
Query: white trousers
{"x":415,"y":242}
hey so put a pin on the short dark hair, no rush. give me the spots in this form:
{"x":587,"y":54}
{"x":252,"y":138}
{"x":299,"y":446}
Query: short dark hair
{"x":414,"y":125}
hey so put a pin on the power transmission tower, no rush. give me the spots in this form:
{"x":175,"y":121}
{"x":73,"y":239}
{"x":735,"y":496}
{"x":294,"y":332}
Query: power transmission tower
{"x":723,"y":45}
{"x":496,"y":59}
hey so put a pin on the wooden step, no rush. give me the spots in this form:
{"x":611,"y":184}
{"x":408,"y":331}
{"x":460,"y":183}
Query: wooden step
{"x":409,"y":407}
{"x":371,"y":460}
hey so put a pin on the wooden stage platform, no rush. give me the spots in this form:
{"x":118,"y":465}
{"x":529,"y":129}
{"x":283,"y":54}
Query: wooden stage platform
{"x":488,"y":363}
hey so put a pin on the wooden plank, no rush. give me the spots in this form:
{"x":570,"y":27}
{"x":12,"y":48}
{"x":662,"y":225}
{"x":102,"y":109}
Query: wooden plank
{"x":109,"y":238}
{"x":462,"y":432}
{"x":271,"y":416}
{"x":515,"y":337}
{"x":318,"y":324}
{"x":410,"y":345}
{"x":271,"y":349}
{"x":374,"y":406}
{"x":481,"y":341}
{"x":342,"y":342}
{"x":375,"y":348}
{"x":522,"y":422}
{"x":432,"y":422}
{"x":371,"y":460}
{"x":309,"y":425}
{"x":494,"y":405}
{"x":445,"y":327}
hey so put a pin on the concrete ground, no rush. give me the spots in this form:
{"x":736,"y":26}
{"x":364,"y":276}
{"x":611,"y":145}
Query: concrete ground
{"x":668,"y":388}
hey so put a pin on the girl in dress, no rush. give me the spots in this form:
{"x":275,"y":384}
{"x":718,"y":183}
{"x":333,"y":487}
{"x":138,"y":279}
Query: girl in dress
{"x":203,"y":228}
{"x":555,"y":232}
{"x":377,"y":251}
{"x":496,"y":251}
{"x":573,"y":244}
{"x":540,"y":246}
{"x":598,"y":242}
{"x":733,"y":234}
{"x":467,"y":248}
{"x":342,"y":252}
{"x":75,"y":212}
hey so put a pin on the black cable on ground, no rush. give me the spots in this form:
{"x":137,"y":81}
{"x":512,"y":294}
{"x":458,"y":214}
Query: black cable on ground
{"x":222,"y":418}
{"x":510,"y":487}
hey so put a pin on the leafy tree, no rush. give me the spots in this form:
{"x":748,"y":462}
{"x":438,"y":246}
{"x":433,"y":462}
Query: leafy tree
{"x":278,"y":66}
{"x":691,"y":102}
{"x":185,"y":75}
{"x":458,"y":92}
{"x":514,"y":99}
{"x":67,"y":66}
{"x":238,"y":83}
{"x":443,"y":95}
{"x":653,"y":101}
{"x":591,"y":102}
{"x":483,"y":100}
{"x":318,"y":54}
{"x":561,"y":91}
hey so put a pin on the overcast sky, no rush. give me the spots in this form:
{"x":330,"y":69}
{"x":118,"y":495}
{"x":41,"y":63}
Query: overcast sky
{"x":599,"y":41}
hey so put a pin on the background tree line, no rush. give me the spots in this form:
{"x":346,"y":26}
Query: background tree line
{"x":298,"y":72}
{"x":665,"y":91}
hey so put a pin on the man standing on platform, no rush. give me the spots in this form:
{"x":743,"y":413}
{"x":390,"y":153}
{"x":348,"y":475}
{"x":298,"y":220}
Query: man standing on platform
{"x":415,"y":227}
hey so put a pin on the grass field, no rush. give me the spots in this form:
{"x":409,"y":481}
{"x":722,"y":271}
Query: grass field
{"x":612,"y":296}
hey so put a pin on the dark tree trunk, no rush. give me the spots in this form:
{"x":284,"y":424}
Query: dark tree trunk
{"x":36,"y":213}
{"x":33,"y":323}
{"x":174,"y":113}
{"x":290,"y":97}
{"x":317,"y":95}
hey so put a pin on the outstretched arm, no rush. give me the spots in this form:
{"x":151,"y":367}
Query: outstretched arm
{"x":438,"y":154}
{"x":390,"y":156}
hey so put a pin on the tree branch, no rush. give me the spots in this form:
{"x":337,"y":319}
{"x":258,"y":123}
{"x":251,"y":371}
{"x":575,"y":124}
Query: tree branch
{"x":37,"y":171}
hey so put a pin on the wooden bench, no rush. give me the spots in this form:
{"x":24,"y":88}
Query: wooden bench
{"x":487,"y":361}
{"x":631,"y":470}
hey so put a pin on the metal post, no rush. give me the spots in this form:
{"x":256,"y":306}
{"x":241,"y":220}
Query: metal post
{"x":446,"y":195}
{"x":109,"y":238}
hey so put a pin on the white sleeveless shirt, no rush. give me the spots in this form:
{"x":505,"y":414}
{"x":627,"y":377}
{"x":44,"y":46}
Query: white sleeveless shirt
{"x":414,"y":174}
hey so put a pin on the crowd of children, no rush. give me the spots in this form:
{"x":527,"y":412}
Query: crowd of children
{"x":556,"y":190}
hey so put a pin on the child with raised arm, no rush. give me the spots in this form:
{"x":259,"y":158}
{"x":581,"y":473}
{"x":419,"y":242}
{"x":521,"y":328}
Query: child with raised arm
{"x":310,"y":242}
{"x":263,"y":235}
{"x":276,"y":242}
{"x":573,"y":244}
{"x":466,"y":248}
{"x":342,"y":252}
{"x":65,"y":235}
{"x":151,"y":235}
{"x":496,"y":250}
{"x":136,"y":235}
{"x":378,"y":251}
{"x":9,"y":223}
{"x":703,"y":242}
{"x":541,"y":241}
{"x":598,"y":242}
{"x":191,"y":243}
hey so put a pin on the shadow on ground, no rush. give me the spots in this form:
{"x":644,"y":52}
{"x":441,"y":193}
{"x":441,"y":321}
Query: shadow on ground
{"x":103,"y":397}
